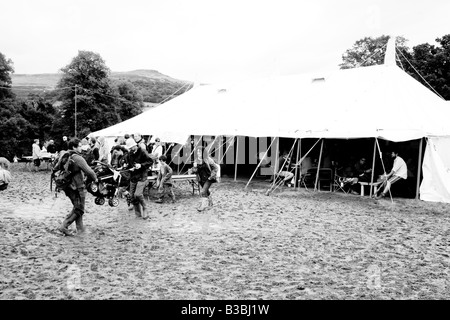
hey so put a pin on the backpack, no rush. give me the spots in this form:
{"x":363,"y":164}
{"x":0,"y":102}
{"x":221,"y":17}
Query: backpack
{"x":62,"y":172}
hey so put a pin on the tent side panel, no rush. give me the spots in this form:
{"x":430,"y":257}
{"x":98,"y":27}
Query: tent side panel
{"x":436,"y":171}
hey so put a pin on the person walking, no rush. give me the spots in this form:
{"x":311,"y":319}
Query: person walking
{"x":164,"y":182}
{"x":208,"y":172}
{"x":76,"y":191}
{"x":139,"y":161}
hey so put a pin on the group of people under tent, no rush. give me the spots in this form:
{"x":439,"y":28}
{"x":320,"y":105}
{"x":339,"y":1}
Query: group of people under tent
{"x":360,"y":171}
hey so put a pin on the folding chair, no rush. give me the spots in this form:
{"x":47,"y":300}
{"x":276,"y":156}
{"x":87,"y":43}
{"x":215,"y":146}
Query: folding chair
{"x":338,"y":182}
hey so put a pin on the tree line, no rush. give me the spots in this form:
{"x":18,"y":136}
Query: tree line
{"x":87,"y":86}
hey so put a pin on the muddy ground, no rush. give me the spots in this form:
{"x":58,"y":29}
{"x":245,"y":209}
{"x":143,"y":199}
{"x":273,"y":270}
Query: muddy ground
{"x":293,"y":244}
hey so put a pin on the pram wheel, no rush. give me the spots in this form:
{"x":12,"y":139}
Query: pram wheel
{"x":114,"y":202}
{"x":99,"y":201}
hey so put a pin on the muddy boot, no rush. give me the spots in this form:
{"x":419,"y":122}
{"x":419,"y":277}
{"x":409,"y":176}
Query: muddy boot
{"x":137,"y":210}
{"x":210,"y":202}
{"x":203,"y":205}
{"x":144,"y":212}
{"x":172,"y":195}
{"x":66,"y":223}
{"x":80,"y":225}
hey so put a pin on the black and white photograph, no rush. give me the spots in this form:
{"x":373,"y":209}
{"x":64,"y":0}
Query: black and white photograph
{"x":224,"y":155}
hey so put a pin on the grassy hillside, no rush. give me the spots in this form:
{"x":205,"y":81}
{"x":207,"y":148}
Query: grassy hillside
{"x":153,"y":85}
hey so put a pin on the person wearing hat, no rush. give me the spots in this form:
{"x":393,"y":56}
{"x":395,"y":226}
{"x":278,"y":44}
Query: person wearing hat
{"x":139,"y":161}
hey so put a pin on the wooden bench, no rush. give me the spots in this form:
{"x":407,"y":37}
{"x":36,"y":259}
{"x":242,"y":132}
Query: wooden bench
{"x":373,"y":185}
{"x":189,"y":178}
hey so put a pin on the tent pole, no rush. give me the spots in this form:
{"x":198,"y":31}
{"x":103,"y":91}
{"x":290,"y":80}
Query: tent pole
{"x":193,"y":150}
{"x":227,"y":148}
{"x":318,"y":166}
{"x":373,"y":167}
{"x":259,"y":164}
{"x":419,"y":169}
{"x":384,"y":168}
{"x":236,"y":158}
{"x":274,"y":183}
{"x":296,"y":164}
{"x":277,"y":151}
{"x":220,"y":147}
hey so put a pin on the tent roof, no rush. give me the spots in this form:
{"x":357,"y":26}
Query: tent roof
{"x":377,"y":101}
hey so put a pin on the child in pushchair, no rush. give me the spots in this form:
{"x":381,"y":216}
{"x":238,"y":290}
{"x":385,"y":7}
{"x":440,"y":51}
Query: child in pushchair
{"x":109,"y":182}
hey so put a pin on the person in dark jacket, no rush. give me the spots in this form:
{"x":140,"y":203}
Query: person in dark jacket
{"x":51,"y":148}
{"x":76,"y":191}
{"x":95,"y":150}
{"x":207,"y":173}
{"x":140,"y":161}
{"x":118,"y":153}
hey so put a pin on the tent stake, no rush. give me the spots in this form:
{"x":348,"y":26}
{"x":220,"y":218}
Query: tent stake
{"x":419,"y":169}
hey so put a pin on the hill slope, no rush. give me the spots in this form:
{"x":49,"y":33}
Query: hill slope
{"x":153,"y":85}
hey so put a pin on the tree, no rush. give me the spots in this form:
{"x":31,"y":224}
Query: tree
{"x":428,"y":64}
{"x":130,"y":103}
{"x":6,"y":69}
{"x":433,"y":65}
{"x":370,"y":51}
{"x":86,"y":82}
{"x":13,"y":130}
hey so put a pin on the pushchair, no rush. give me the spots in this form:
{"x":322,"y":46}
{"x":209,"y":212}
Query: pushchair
{"x":110,"y":180}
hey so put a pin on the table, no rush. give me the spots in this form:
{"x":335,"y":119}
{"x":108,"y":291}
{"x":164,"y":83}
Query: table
{"x":189,"y":178}
{"x":373,"y":185}
{"x":46,"y":157}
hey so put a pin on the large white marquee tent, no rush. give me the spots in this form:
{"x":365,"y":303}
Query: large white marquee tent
{"x":379,"y":101}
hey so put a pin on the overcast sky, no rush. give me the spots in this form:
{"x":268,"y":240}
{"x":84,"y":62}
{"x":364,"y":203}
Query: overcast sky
{"x":208,"y":40}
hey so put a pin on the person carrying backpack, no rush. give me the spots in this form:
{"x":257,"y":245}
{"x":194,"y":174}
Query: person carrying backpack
{"x":76,"y":190}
